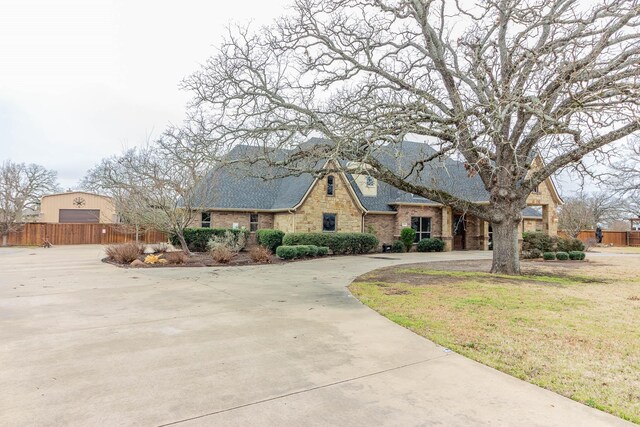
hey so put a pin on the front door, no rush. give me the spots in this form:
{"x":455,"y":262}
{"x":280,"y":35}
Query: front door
{"x":459,"y":228}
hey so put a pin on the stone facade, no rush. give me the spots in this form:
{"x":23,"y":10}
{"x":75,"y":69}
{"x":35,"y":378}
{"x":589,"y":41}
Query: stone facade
{"x":351,"y":216}
{"x":308,"y":217}
{"x":530,"y":225}
{"x":284,"y":221}
{"x":548,"y":199}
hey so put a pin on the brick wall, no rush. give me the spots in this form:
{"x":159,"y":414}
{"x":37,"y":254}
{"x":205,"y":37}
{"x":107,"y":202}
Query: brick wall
{"x":221,"y":219}
{"x":382,"y":225}
{"x":308,"y":218}
{"x":405,"y":212}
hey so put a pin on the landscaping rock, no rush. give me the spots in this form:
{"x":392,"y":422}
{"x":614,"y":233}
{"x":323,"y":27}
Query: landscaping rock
{"x":149,"y":250}
{"x":137,"y":263}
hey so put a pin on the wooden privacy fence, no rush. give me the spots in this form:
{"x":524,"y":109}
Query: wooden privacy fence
{"x":78,"y":234}
{"x":615,"y":238}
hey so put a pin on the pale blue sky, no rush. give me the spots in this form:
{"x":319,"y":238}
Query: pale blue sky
{"x":82,"y":79}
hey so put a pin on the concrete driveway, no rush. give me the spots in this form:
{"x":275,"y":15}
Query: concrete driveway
{"x":85,"y":343}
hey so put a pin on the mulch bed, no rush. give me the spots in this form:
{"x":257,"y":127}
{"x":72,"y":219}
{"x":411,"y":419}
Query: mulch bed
{"x":201,"y":259}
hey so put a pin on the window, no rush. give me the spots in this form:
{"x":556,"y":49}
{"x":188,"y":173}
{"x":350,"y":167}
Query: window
{"x":253,"y":222}
{"x":329,"y":222}
{"x":370,"y":181}
{"x":330,"y":185}
{"x":422,"y":225}
{"x":536,"y":189}
{"x":206,"y":219}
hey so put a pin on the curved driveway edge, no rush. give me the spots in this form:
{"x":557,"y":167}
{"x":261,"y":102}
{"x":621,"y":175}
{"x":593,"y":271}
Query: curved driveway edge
{"x":85,"y":343}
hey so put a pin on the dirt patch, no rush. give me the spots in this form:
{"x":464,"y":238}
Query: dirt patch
{"x":393,"y":275}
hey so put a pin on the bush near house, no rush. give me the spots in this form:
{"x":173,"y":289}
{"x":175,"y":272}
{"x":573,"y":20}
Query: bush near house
{"x":260,"y":254}
{"x":301,"y":251}
{"x":577,"y":255}
{"x":537,"y":240}
{"x":569,"y":245}
{"x":198,"y":237}
{"x":398,"y":246}
{"x":408,"y":236}
{"x":338,"y":243}
{"x":549,"y":256}
{"x":430,"y":245}
{"x":269,"y":238}
{"x":562,"y":256}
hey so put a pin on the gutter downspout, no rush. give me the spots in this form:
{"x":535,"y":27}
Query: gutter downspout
{"x":293,"y":212}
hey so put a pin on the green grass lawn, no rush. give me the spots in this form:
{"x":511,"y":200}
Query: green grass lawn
{"x":575,"y":333}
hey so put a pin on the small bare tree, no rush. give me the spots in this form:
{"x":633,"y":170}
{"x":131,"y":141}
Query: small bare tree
{"x":155,"y":186}
{"x":586,"y":212}
{"x":493,"y":83}
{"x":21,"y":187}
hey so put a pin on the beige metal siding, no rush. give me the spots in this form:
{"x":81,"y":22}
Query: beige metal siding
{"x":51,"y":206}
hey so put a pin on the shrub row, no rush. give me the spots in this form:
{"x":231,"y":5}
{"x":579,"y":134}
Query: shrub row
{"x":338,"y":243}
{"x":430,"y":245}
{"x":270,"y":239}
{"x":301,"y":251}
{"x":563,"y":256}
{"x":541,"y":242}
{"x":197,"y":237}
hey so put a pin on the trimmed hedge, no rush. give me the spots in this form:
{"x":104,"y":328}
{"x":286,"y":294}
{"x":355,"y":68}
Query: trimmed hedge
{"x":300,"y":251}
{"x":287,"y":252}
{"x":549,"y":256}
{"x":338,"y":243}
{"x":562,"y":256}
{"x":398,"y":247}
{"x":430,"y":245}
{"x":577,"y":255}
{"x":269,"y":238}
{"x":198,"y":237}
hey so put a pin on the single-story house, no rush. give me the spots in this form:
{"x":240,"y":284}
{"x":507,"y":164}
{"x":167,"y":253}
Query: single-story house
{"x":353,"y":201}
{"x":77,"y":207}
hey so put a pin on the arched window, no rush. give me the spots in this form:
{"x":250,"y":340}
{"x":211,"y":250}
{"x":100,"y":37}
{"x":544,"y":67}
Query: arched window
{"x":330,"y":185}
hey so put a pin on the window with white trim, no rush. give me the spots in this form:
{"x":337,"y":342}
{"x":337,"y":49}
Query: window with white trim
{"x":422,"y":225}
{"x":253,"y":222}
{"x":205,"y":220}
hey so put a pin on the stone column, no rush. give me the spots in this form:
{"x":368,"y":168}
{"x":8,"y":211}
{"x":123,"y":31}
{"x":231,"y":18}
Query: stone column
{"x":550,"y":220}
{"x":484,"y":229}
{"x":447,"y":224}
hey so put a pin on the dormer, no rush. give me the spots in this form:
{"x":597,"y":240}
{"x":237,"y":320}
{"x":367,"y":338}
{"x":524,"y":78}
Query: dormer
{"x":367,"y":184}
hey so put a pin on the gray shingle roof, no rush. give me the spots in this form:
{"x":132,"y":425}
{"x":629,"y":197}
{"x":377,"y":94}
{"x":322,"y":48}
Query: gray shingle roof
{"x":235,"y":187}
{"x":531,"y":212}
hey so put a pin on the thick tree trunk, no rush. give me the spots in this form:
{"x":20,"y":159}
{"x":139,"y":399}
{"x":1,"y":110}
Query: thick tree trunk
{"x":5,"y":240}
{"x":506,"y":256}
{"x":183,"y":243}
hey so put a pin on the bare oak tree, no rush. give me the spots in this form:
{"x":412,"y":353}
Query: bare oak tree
{"x":493,"y":84}
{"x":157,"y":186}
{"x":21,"y":187}
{"x":587,"y":211}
